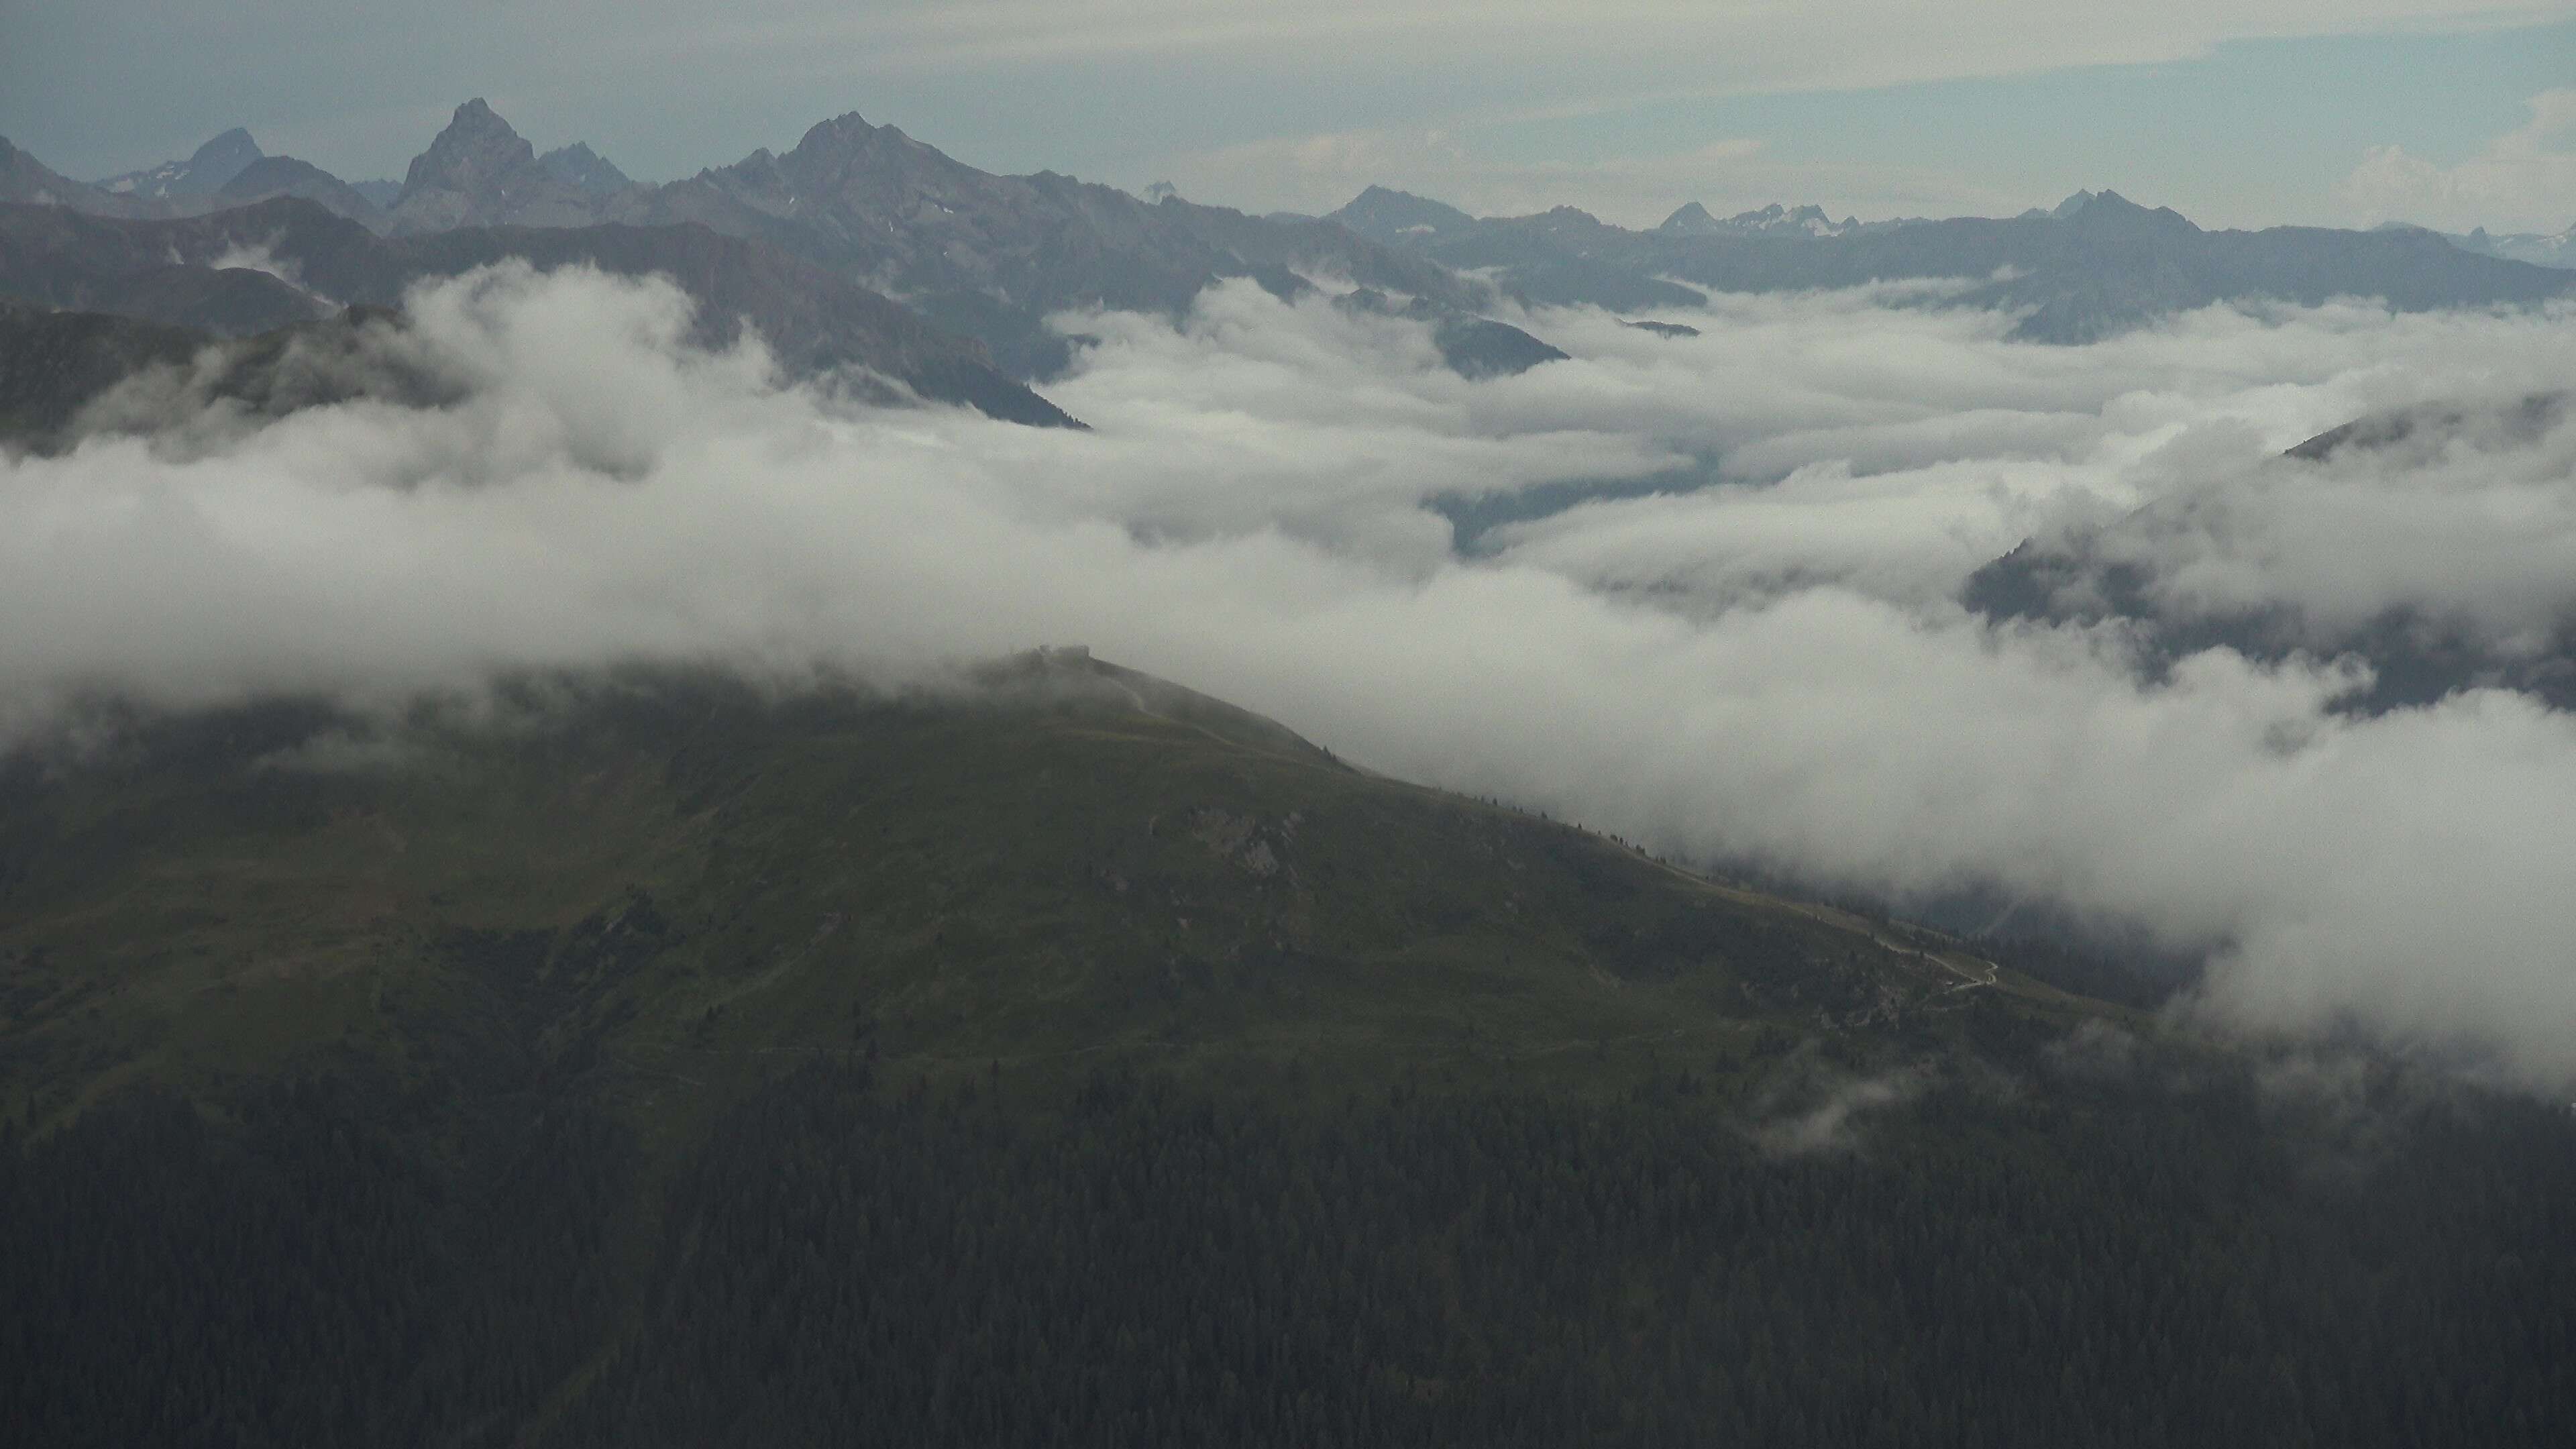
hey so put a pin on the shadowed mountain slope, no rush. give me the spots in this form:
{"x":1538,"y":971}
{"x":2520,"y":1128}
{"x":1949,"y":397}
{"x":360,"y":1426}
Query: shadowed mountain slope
{"x":479,"y":173}
{"x":54,"y":364}
{"x":987,"y":257}
{"x":992,"y":256}
{"x":24,"y":179}
{"x":585,"y":168}
{"x":208,"y":170}
{"x":2419,"y":652}
{"x":1065,"y":865}
{"x":1070,"y":1058}
{"x":66,"y":376}
{"x":814,"y":321}
{"x":286,"y":176}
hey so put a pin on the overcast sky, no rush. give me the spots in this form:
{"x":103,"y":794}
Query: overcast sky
{"x":2237,"y":112}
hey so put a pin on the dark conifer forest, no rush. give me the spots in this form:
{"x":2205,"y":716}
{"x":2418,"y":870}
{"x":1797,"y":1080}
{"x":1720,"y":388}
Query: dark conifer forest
{"x":853,"y":1263}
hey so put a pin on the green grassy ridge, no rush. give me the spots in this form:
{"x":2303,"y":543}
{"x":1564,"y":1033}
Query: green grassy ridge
{"x":663,"y":1059}
{"x":660,"y":888}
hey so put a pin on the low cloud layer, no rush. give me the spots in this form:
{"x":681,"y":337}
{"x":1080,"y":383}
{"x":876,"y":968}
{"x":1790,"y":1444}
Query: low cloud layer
{"x":1766,"y":661}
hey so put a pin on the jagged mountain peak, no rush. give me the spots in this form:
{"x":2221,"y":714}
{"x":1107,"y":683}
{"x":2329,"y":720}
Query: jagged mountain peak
{"x":477,"y":147}
{"x":845,"y":151}
{"x":481,"y":172}
{"x":840,"y":132}
{"x":1775,"y":219}
{"x":581,"y":166}
{"x":832,"y":147}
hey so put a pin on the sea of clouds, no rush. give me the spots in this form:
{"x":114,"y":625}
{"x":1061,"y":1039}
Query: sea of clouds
{"x":1748,"y":646}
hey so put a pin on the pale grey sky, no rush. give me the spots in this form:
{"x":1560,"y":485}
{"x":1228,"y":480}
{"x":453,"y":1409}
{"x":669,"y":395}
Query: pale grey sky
{"x":2237,"y":112}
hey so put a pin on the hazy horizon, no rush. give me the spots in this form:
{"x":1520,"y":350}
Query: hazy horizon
{"x":2423,"y":111}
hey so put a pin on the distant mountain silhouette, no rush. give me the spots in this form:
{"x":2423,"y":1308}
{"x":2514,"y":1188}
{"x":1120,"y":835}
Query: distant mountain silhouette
{"x":585,"y":168}
{"x":1401,"y":218}
{"x":285,"y":176}
{"x":2555,"y":249}
{"x":990,"y":257}
{"x":993,"y":256}
{"x":1773,"y":220}
{"x":202,"y":174}
{"x":25,"y":179}
{"x":2096,"y":265}
{"x":996,"y":258}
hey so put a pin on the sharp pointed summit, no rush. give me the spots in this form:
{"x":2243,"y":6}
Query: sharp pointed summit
{"x":481,"y":172}
{"x":477,"y":147}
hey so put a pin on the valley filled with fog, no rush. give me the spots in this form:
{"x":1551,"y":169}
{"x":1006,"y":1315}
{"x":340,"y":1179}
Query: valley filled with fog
{"x":1715,"y":593}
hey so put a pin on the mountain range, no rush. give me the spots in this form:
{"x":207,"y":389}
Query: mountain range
{"x":988,"y":258}
{"x":1694,"y":219}
{"x":2096,"y":265}
{"x":2541,"y":249}
{"x":228,"y":171}
{"x":813,"y":245}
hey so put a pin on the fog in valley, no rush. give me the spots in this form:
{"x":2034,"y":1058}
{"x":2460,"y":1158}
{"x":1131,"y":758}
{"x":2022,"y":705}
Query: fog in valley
{"x":1705,"y":592}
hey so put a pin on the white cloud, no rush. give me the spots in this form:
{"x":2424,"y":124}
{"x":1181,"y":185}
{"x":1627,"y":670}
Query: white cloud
{"x":2522,"y":181}
{"x":1771,"y":668}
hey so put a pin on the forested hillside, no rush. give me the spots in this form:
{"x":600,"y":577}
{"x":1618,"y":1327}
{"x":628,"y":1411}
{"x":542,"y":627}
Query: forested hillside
{"x":1059,"y":1056}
